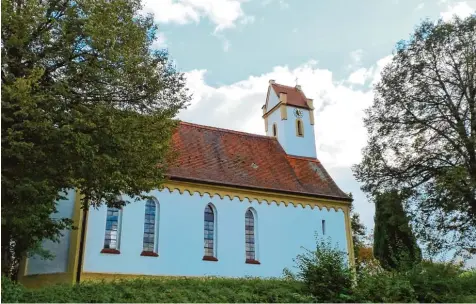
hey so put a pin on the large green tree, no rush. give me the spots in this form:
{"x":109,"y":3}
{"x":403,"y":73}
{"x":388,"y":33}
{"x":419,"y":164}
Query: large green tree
{"x":87,"y":104}
{"x":422,"y":132}
{"x":395,"y":245}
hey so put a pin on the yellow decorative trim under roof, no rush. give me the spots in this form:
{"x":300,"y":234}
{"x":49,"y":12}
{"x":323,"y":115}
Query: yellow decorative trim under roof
{"x":258,"y":195}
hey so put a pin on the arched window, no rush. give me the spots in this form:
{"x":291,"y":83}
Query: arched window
{"x":112,"y":235}
{"x":275,"y":130}
{"x":299,"y":128}
{"x":149,"y":247}
{"x":209,"y":233}
{"x":250,"y":237}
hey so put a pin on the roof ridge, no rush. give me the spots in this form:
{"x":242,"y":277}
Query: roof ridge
{"x":283,"y":85}
{"x":299,"y":91}
{"x":226,"y":130}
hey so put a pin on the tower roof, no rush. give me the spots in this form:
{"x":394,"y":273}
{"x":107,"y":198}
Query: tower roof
{"x":244,"y":160}
{"x":295,"y":96}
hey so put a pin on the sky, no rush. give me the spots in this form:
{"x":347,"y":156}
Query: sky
{"x":230,"y":49}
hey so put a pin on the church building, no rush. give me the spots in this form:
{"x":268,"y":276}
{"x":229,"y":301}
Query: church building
{"x":234,"y":204}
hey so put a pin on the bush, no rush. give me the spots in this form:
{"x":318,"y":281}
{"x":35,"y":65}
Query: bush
{"x":322,"y":277}
{"x":426,"y":282}
{"x":174,"y":290}
{"x":383,"y":286}
{"x":441,"y":282}
{"x":11,"y":291}
{"x":324,"y":273}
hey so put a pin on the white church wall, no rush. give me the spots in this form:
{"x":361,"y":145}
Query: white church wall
{"x":296,"y":145}
{"x":60,"y":250}
{"x":275,"y":117}
{"x":273,"y":99}
{"x":281,"y":231}
{"x":291,"y":143}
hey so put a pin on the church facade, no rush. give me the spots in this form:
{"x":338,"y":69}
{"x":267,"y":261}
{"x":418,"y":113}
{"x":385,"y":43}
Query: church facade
{"x":234,"y":204}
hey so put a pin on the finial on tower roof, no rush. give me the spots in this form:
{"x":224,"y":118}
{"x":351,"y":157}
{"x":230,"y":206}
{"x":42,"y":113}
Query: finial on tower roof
{"x":271,"y":81}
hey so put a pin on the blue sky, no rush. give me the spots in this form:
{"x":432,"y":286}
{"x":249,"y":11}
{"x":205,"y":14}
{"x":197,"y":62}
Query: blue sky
{"x":229,"y":49}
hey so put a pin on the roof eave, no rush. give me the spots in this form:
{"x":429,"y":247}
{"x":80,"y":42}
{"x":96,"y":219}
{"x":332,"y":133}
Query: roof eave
{"x":306,"y":194}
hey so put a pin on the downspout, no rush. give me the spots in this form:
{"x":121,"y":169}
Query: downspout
{"x":81,"y":244}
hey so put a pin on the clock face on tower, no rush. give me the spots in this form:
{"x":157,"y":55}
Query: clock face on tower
{"x":298,"y":113}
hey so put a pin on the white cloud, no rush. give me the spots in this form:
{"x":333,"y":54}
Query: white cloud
{"x":359,"y":76}
{"x":378,"y":68}
{"x":362,"y":75}
{"x":355,"y":58}
{"x":339,"y":108}
{"x":223,"y":13}
{"x":420,"y":6}
{"x":356,"y":55}
{"x":461,"y":9}
{"x":247,"y":20}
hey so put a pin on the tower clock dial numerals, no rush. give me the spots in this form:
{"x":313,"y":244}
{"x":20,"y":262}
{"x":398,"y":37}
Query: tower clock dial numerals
{"x":298,"y":113}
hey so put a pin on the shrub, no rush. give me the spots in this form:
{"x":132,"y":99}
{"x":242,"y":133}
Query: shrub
{"x":441,"y":282}
{"x":426,"y":282}
{"x":174,"y":290}
{"x":383,"y":286}
{"x":324,"y":272}
{"x":11,"y":291}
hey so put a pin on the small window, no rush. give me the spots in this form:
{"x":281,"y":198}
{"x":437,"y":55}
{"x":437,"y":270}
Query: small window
{"x":112,"y":236}
{"x":299,"y":128}
{"x":150,"y":228}
{"x":275,"y":130}
{"x":209,"y":234}
{"x":250,"y":237}
{"x":323,"y":227}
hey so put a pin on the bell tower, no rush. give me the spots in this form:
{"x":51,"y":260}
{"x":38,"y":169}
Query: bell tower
{"x":289,"y":116}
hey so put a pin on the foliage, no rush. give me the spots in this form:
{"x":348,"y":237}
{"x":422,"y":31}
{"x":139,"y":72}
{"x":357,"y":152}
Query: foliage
{"x":422,"y":132}
{"x":365,"y":258}
{"x":87,"y":104}
{"x":427,"y":282}
{"x":383,"y":286}
{"x":324,"y":272}
{"x":12,"y":292}
{"x":174,"y":290}
{"x":441,"y":282}
{"x":395,"y":245}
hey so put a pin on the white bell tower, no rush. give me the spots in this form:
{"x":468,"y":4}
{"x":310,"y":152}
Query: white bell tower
{"x":289,"y":116}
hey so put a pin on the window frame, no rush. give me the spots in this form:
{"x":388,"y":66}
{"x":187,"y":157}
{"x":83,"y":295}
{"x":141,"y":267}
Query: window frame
{"x":155,"y":251}
{"x":255,"y":259}
{"x":299,"y":127}
{"x":117,"y":249}
{"x":207,"y":257}
{"x":275,"y":130}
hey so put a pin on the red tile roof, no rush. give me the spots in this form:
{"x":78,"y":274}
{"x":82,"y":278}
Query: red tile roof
{"x":295,"y":97}
{"x":226,"y":157}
